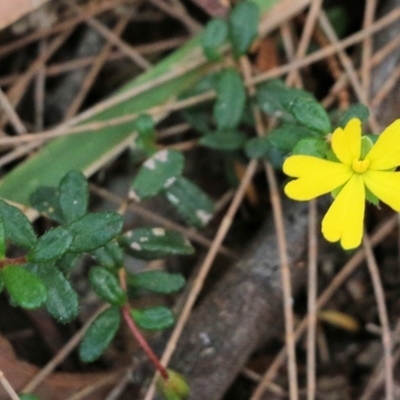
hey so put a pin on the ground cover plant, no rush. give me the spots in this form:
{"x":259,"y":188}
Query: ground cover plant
{"x":186,"y":145}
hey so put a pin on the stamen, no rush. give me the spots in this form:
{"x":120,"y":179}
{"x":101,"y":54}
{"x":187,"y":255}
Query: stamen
{"x":360,"y":166}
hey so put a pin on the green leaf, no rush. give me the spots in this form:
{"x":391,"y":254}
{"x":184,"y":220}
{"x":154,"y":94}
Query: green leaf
{"x":110,"y":255}
{"x":286,"y":137}
{"x":157,"y":172}
{"x":154,"y":318}
{"x":46,"y":200}
{"x":224,"y":140}
{"x":67,"y":262}
{"x":94,"y":230}
{"x":17,"y":226}
{"x":311,"y":114}
{"x":154,"y":243}
{"x":74,"y":195}
{"x":99,"y":334}
{"x":258,"y":147}
{"x":62,"y":301}
{"x":157,"y":281}
{"x":25,"y":288}
{"x":243,"y":26}
{"x":231,"y":100}
{"x":214,"y":35}
{"x":261,"y":148}
{"x":316,"y":147}
{"x":3,"y":244}
{"x":274,"y":98}
{"x":28,"y":396}
{"x":1,"y":281}
{"x":190,"y":201}
{"x":106,"y":285}
{"x":359,"y":111}
{"x":146,"y":139}
{"x":173,"y":388}
{"x":51,"y":246}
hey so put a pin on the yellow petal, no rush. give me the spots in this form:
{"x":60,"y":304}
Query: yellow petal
{"x":386,"y":152}
{"x":346,"y":143}
{"x":384,"y":185}
{"x":316,"y":176}
{"x":344,"y":219}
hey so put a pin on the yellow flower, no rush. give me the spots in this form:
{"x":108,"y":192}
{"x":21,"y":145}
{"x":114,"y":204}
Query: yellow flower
{"x":352,"y":174}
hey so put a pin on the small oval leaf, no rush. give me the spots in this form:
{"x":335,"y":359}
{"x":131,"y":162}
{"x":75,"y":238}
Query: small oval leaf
{"x":94,"y":230}
{"x":359,"y":111}
{"x":109,"y":256}
{"x":62,"y":301}
{"x":224,"y":140}
{"x":25,"y":288}
{"x":17,"y":226}
{"x":51,"y":246}
{"x":154,"y":243}
{"x":74,"y":195}
{"x":316,"y":147}
{"x":99,"y":334}
{"x":106,"y":285}
{"x":231,"y":99}
{"x":214,"y":35}
{"x":311,"y":114}
{"x":190,"y":201}
{"x":154,"y":318}
{"x":158,"y":171}
{"x":243,"y":26}
{"x":157,"y":281}
{"x":46,"y":200}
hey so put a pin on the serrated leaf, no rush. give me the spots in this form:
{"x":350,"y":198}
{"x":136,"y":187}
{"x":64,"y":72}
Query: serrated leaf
{"x":74,"y":195}
{"x":106,"y":285}
{"x":231,"y":100}
{"x":17,"y":226}
{"x":110,"y":255}
{"x":157,"y":172}
{"x":99,"y":334}
{"x":316,"y":147}
{"x":243,"y":26}
{"x":359,"y":111}
{"x":157,"y":281}
{"x":311,"y":114}
{"x":154,"y":243}
{"x":46,"y":200}
{"x":94,"y":230}
{"x":154,"y":318}
{"x":190,"y":201}
{"x":275,"y":98}
{"x":25,"y":288}
{"x":51,"y":246}
{"x":62,"y":300}
{"x":214,"y":35}
{"x":224,"y":140}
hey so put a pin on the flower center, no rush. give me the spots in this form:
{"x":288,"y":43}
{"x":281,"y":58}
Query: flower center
{"x":360,"y":166}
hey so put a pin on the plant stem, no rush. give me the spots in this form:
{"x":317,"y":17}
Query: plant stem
{"x":12,"y":261}
{"x":142,"y":342}
{"x":136,"y":332}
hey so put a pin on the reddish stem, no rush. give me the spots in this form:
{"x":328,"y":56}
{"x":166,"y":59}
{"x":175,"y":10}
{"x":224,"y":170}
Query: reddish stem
{"x":142,"y":342}
{"x":136,"y":332}
{"x":13,"y":261}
